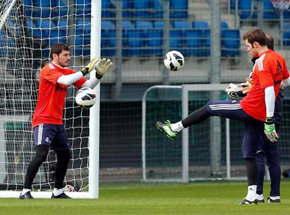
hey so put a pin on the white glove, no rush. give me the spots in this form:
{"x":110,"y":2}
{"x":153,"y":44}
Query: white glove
{"x":232,"y":90}
{"x":103,"y":67}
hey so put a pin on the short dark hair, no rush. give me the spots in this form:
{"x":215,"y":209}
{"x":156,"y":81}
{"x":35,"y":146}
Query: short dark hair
{"x":256,"y":35}
{"x":270,"y":41}
{"x":58,"y":48}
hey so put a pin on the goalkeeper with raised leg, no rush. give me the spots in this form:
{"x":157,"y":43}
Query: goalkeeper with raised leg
{"x":47,"y":122}
{"x":256,"y":110}
{"x":267,"y":152}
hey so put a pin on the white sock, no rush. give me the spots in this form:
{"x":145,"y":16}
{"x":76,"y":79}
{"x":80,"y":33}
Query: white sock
{"x":25,"y":191}
{"x":57,"y":192}
{"x":251,"y":196}
{"x":177,"y":127}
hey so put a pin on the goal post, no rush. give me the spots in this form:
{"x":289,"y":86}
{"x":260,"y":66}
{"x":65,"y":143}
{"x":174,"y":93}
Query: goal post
{"x":29,"y":30}
{"x":181,"y":160}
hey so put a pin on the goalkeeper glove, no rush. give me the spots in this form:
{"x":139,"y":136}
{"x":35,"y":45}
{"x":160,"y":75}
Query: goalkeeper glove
{"x":269,"y":129}
{"x":103,"y":67}
{"x":90,"y":66}
{"x":233,"y":90}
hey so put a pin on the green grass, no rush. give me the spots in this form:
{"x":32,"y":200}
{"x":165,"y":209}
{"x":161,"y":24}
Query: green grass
{"x":217,"y":198}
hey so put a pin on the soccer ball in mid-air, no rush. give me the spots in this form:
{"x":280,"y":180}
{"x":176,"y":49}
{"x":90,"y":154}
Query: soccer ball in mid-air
{"x":85,"y":97}
{"x":174,"y":60}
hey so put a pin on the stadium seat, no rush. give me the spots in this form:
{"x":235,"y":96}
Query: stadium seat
{"x":224,"y":25}
{"x":179,"y":9}
{"x":155,"y":38}
{"x":83,"y":25}
{"x":83,"y":8}
{"x":127,"y":8}
{"x":108,"y":41}
{"x":62,"y":24}
{"x":5,"y":44}
{"x":230,"y":42}
{"x":29,"y":25}
{"x":148,"y":34}
{"x":204,"y":32}
{"x":42,"y":8}
{"x":200,"y":25}
{"x":244,"y":7}
{"x":142,"y":8}
{"x":108,"y":9}
{"x":193,"y":43}
{"x":177,"y":34}
{"x":82,"y":45}
{"x":158,"y":9}
{"x":126,"y":26}
{"x":269,"y":12}
{"x":158,"y":24}
{"x":286,"y":33}
{"x":60,"y":8}
{"x":43,"y":26}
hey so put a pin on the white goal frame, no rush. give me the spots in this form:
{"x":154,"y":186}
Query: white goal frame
{"x":185,"y":134}
{"x":94,"y":128}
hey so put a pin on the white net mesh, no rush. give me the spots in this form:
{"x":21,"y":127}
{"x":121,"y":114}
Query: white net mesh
{"x":281,"y":4}
{"x":29,"y":31}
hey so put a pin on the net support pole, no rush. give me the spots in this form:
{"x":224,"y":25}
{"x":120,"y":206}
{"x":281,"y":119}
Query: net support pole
{"x":94,"y":123}
{"x":185,"y":137}
{"x":6,"y":13}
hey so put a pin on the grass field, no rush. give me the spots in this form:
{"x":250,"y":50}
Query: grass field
{"x":215,"y":198}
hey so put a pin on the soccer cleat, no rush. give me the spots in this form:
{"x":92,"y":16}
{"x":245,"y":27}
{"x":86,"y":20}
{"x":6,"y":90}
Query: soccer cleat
{"x":248,"y":202}
{"x":260,"y":198}
{"x":165,"y":128}
{"x":26,"y":195}
{"x":60,"y":196}
{"x":270,"y":200}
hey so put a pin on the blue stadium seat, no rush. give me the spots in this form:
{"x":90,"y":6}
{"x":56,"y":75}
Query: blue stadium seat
{"x":158,"y":9}
{"x":245,"y":7}
{"x":83,"y":26}
{"x":62,"y":24}
{"x":158,"y":24}
{"x":60,"y":8}
{"x":148,"y":34}
{"x":204,"y":32}
{"x":230,"y":42}
{"x":193,"y":43}
{"x":82,"y":45}
{"x":83,"y":8}
{"x":179,"y":9}
{"x":127,"y":8}
{"x":43,"y":26}
{"x":181,"y":25}
{"x":177,"y":34}
{"x":5,"y":44}
{"x":108,"y":9}
{"x":126,"y":26}
{"x":269,"y":12}
{"x":224,"y":25}
{"x":286,"y":34}
{"x":108,"y":42}
{"x":28,"y":4}
{"x":29,"y":25}
{"x":42,"y":8}
{"x":141,"y":8}
{"x":200,"y":25}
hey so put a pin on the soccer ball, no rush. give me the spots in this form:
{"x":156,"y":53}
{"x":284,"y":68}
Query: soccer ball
{"x":174,"y":60}
{"x":86,"y":97}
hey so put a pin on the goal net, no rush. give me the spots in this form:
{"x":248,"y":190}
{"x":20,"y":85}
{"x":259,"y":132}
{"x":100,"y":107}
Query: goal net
{"x":210,"y":150}
{"x":27,"y":34}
